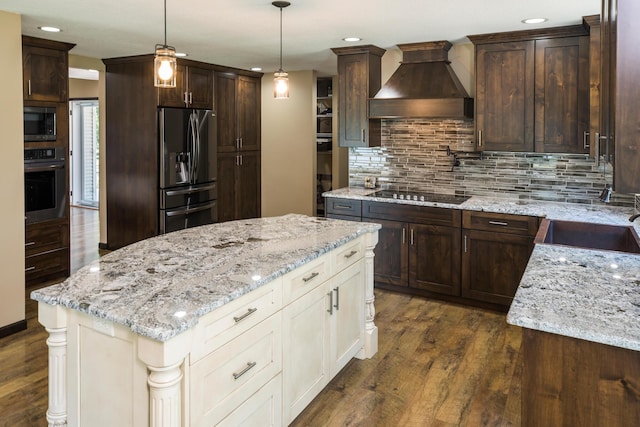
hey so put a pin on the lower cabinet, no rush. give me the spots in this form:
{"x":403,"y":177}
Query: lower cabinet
{"x":238,"y":185}
{"x":496,"y":250}
{"x":46,"y":251}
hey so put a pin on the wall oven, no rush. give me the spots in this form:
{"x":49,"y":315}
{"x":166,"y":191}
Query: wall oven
{"x":45,"y":184}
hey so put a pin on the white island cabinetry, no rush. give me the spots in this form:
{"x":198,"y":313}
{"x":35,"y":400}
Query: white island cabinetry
{"x":257,"y":358}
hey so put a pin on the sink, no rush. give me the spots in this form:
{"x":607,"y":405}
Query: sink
{"x":589,"y":236}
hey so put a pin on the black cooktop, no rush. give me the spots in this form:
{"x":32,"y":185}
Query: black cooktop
{"x":419,"y":196}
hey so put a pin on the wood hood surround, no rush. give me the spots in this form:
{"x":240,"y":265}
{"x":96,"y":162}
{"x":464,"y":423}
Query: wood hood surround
{"x":424,"y":85}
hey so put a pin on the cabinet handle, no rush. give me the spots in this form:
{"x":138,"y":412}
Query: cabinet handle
{"x":190,"y":97}
{"x":479,"y":138}
{"x":29,"y":269}
{"x":337,"y":304}
{"x":240,"y":159}
{"x":29,"y":89}
{"x":330,"y":311}
{"x":310,"y":277}
{"x":350,"y":254}
{"x":244,"y":371}
{"x":364,"y":136}
{"x":404,"y":235}
{"x":465,"y":243}
{"x":249,"y":312}
{"x":411,"y":237}
{"x":237,"y":143}
{"x":500,"y":223}
{"x":184,"y":98}
{"x":585,"y":139}
{"x":30,"y":243}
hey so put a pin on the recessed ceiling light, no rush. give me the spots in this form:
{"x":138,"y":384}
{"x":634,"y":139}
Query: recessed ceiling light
{"x":50,"y":29}
{"x":256,"y":68}
{"x":181,"y":54}
{"x":534,"y":20}
{"x":352,"y":39}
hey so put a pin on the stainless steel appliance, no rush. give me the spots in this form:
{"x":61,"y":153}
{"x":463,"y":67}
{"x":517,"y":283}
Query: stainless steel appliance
{"x":45,"y":184}
{"x":39,"y":123}
{"x":188,"y":190}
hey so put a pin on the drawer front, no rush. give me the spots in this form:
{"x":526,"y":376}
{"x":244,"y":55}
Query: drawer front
{"x":502,"y":223}
{"x":305,"y":278}
{"x":339,"y":206}
{"x":410,"y":213}
{"x":263,"y":409}
{"x":227,"y":322}
{"x":348,"y":255}
{"x":47,"y":266}
{"x":45,"y":237}
{"x":230,"y":375}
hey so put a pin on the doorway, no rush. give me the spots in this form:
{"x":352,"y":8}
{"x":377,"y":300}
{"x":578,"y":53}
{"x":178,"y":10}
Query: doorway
{"x":84,"y":153}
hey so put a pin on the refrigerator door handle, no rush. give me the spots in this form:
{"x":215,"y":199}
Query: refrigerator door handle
{"x":196,"y":145}
{"x":190,"y":190}
{"x":187,"y":211}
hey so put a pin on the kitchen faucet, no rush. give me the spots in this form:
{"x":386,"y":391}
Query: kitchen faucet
{"x":633,"y":217}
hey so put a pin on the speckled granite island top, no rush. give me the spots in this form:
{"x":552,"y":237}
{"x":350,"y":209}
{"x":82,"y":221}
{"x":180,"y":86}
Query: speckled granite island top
{"x":159,"y":287}
{"x":581,"y":293}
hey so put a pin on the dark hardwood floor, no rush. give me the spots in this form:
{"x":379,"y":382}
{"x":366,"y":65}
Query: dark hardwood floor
{"x":438,"y":364}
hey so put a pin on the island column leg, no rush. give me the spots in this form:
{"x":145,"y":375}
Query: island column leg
{"x":370,"y":328}
{"x":57,"y":410}
{"x":164,"y":396}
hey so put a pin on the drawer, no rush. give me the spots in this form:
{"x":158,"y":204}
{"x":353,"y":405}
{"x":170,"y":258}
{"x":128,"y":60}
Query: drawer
{"x":305,"y":278}
{"x":45,"y":237}
{"x":263,"y":409}
{"x":47,"y":266}
{"x":501,"y":223}
{"x":348,"y":254}
{"x":340,"y":206}
{"x":224,"y":379}
{"x":227,"y":322}
{"x":410,"y":213}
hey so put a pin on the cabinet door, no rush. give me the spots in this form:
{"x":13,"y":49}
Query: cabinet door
{"x":200,"y":88}
{"x":561,"y":94}
{"x":248,"y":104}
{"x":434,"y":258}
{"x":347,"y":319}
{"x":391,"y":261}
{"x":493,"y":264}
{"x":174,"y":96}
{"x":248,"y":185}
{"x":504,"y":96}
{"x":305,"y":356}
{"x":45,"y":74}
{"x":225,"y":107}
{"x":227,"y":164}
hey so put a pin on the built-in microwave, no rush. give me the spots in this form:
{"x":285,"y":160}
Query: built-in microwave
{"x":39,"y":123}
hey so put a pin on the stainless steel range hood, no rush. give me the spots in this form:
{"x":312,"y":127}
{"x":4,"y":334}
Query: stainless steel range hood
{"x":423,"y":86}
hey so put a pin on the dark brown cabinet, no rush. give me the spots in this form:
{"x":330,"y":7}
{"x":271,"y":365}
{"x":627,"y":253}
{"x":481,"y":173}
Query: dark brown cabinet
{"x":238,"y":185}
{"x":495,"y":252}
{"x":532,"y":90}
{"x":46,"y":251}
{"x":194,"y":88}
{"x":358,"y":80}
{"x":45,"y":70}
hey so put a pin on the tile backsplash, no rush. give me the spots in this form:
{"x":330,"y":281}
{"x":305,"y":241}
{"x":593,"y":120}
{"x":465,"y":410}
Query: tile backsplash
{"x":413,"y":155}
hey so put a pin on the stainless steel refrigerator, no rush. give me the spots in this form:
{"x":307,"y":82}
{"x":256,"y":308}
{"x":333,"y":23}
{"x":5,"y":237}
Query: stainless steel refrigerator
{"x":188,"y":190}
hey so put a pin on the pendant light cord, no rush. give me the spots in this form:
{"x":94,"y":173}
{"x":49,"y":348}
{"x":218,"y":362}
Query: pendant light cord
{"x":165,"y":23}
{"x":280,"y":37}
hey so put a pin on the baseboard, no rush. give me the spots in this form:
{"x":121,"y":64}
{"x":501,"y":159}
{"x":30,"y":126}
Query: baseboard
{"x":13,"y":328}
{"x":103,"y":246}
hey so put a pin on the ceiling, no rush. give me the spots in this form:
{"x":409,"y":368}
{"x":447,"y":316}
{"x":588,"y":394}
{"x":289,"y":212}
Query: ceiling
{"x":245,"y":33}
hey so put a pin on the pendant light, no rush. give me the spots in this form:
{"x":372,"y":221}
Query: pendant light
{"x":165,"y":63}
{"x":281,"y":78}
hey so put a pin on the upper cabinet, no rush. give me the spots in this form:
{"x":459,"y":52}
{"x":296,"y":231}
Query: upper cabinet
{"x":237,"y":101}
{"x":359,"y":79}
{"x":621,"y":91}
{"x":532,"y":90}
{"x":45,"y":70}
{"x":194,"y":88}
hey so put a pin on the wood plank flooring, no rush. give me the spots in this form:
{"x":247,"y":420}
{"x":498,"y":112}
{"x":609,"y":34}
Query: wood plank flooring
{"x":438,"y":364}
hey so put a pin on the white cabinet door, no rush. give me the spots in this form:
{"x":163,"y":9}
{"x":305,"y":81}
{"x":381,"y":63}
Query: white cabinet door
{"x":347,"y":319}
{"x":305,"y":369}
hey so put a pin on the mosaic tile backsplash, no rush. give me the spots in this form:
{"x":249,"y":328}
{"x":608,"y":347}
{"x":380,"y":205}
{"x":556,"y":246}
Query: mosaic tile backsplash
{"x":413,"y":156}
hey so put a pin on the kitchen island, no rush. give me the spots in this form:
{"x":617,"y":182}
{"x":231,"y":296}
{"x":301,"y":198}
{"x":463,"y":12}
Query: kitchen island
{"x":222,"y":324}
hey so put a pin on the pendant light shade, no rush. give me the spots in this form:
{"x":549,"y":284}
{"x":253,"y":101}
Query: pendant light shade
{"x":281,"y":78}
{"x":165,"y":64}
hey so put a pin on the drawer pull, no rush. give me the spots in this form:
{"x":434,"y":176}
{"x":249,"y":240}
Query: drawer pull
{"x":350,"y":254}
{"x":310,"y":277}
{"x":342,"y":206}
{"x":246,"y":369}
{"x":500,"y":223}
{"x":30,"y":243}
{"x":29,"y":269}
{"x":249,"y":312}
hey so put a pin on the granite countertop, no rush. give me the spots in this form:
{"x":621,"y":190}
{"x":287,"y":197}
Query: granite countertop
{"x":161,"y":286}
{"x":581,"y":293}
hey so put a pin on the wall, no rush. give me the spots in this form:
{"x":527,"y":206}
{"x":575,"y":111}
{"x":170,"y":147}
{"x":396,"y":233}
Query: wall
{"x":289,"y":146}
{"x":12,"y":284}
{"x":413,"y":155}
{"x":83,"y":89}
